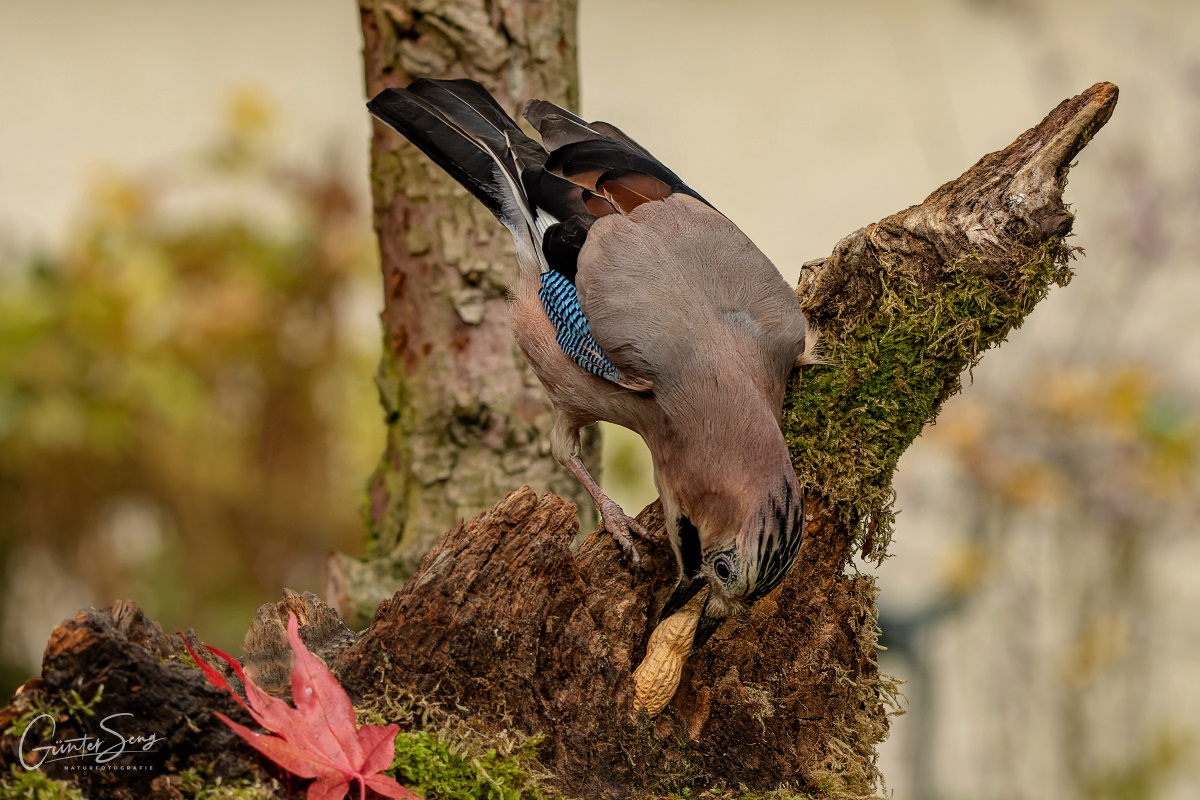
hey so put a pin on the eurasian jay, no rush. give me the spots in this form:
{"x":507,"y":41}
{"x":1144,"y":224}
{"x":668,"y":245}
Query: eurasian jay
{"x":640,"y":304}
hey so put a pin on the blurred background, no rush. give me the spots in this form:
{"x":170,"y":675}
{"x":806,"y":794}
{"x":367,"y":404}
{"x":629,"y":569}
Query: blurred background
{"x":188,"y":329}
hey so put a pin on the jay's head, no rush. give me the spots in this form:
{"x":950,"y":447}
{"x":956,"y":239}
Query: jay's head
{"x":738,"y":565}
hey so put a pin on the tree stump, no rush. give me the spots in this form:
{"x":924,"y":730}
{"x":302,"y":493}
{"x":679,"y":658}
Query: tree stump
{"x":503,"y":623}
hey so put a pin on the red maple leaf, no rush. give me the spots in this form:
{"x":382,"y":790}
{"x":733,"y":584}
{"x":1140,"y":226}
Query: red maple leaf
{"x":318,"y":738}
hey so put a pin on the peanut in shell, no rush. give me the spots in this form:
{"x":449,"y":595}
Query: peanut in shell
{"x":657,"y":677}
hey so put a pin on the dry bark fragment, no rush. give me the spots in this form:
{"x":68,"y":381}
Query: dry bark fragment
{"x":118,"y":662}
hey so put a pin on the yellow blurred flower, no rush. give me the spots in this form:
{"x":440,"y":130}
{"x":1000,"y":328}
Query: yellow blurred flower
{"x":249,"y":113}
{"x":117,"y":200}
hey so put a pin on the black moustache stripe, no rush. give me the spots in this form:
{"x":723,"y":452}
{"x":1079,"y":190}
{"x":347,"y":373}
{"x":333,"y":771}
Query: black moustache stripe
{"x":689,"y":547}
{"x":781,"y":540}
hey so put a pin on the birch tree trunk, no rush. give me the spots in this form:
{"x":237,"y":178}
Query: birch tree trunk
{"x":467,"y":419}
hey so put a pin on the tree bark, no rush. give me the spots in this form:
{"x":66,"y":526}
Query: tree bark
{"x":116,"y":670}
{"x":467,"y":419}
{"x":505,"y":624}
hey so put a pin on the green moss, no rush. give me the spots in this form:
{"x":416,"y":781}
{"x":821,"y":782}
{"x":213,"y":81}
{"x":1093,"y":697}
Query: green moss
{"x":199,"y":784}
{"x":194,"y":783}
{"x":849,"y":770}
{"x":739,"y":794}
{"x":677,"y":772}
{"x":888,"y":372}
{"x":35,"y":704}
{"x":827,"y":790}
{"x":36,"y":710}
{"x":441,"y":756}
{"x":429,"y":765}
{"x":23,"y":784}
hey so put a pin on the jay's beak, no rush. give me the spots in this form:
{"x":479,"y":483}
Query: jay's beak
{"x":705,"y":629}
{"x":685,"y":590}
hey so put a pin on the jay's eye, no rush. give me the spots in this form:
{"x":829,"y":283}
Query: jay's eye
{"x":723,"y":568}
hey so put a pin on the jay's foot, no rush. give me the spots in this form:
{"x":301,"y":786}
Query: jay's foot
{"x":622,"y":528}
{"x":619,"y":525}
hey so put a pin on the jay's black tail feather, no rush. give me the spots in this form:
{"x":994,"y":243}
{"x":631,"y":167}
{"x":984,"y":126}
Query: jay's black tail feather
{"x":594,"y":169}
{"x":459,"y":125}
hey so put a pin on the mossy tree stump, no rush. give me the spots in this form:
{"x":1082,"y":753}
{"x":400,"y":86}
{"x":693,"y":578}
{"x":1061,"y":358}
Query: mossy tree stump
{"x":503,"y":619}
{"x":503,"y":624}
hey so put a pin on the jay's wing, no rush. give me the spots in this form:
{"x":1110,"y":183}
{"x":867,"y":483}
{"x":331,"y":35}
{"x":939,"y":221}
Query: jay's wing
{"x":466,"y":132}
{"x":600,"y":158}
{"x":669,"y":286}
{"x":615,"y":235}
{"x":459,"y":125}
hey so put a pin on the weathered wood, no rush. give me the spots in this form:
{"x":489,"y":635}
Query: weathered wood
{"x":102,"y":664}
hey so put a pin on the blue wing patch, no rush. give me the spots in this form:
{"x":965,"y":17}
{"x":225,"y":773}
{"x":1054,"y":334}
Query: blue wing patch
{"x":561,"y":302}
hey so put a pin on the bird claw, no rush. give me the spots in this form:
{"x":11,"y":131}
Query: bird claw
{"x":622,"y":528}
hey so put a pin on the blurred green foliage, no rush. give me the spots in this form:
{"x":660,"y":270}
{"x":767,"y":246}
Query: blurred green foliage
{"x":187,"y":416}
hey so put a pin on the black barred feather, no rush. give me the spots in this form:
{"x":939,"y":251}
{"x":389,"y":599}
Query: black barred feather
{"x":462,"y":128}
{"x":559,"y":198}
{"x":559,"y":127}
{"x":590,"y":153}
{"x":588,"y":160}
{"x":561,"y":246}
{"x":556,"y":125}
{"x":690,"y":554}
{"x":613,"y":132}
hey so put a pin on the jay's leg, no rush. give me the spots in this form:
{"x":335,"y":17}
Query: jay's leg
{"x":619,"y":525}
{"x":564,"y":441}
